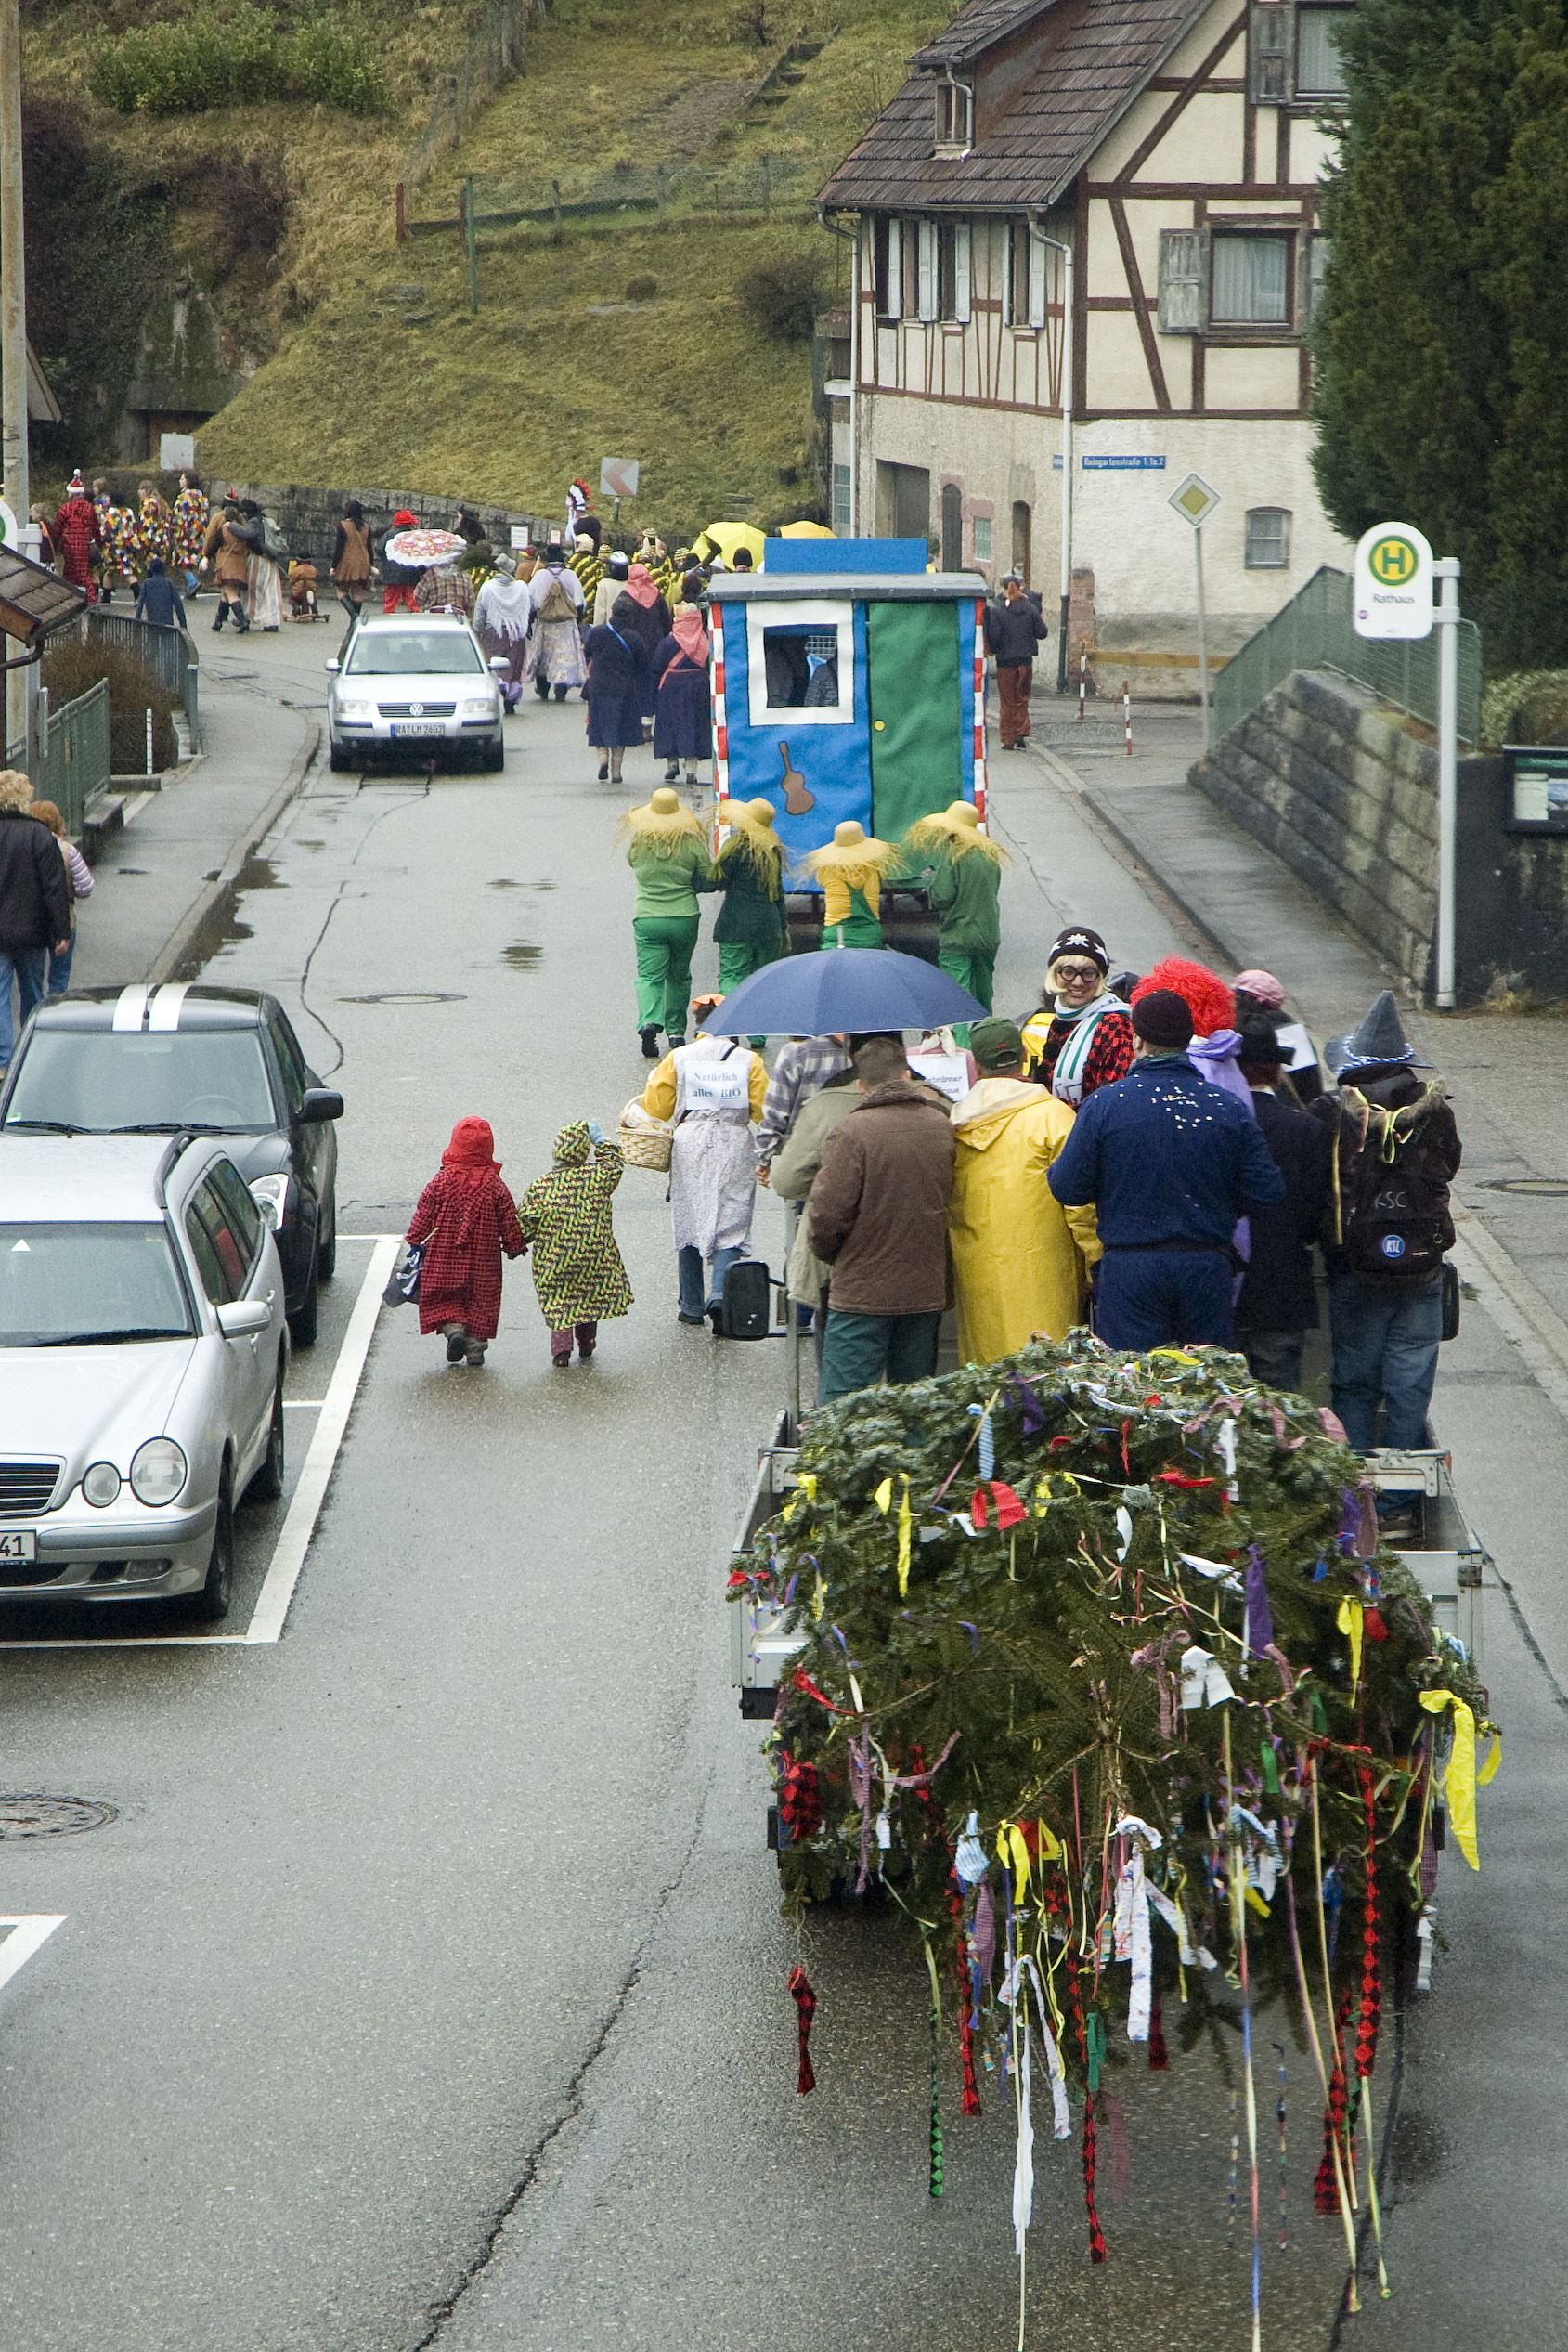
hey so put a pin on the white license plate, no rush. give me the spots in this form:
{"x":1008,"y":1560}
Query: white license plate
{"x":18,"y":1543}
{"x":421,"y":727}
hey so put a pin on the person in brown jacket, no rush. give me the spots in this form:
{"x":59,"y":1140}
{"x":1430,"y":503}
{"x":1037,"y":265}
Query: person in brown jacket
{"x":877,"y":1215}
{"x":225,"y":554}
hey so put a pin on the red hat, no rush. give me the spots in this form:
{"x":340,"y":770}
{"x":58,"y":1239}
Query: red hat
{"x":405,"y":521}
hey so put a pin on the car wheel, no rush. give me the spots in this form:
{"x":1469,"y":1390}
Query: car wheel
{"x":307,"y":1315}
{"x":211,"y":1603}
{"x":327,"y":1248}
{"x":338,"y":760}
{"x":267,"y":1484}
{"x":492,"y":759}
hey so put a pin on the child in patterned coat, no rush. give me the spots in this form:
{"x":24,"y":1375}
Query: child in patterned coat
{"x":566,"y":1221}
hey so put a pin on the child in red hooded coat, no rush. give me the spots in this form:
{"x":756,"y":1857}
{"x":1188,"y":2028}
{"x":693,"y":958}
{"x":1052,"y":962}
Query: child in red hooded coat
{"x":466,"y":1220}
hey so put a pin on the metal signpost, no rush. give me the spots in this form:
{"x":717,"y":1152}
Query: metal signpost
{"x":1196,"y":499}
{"x":1390,"y":596}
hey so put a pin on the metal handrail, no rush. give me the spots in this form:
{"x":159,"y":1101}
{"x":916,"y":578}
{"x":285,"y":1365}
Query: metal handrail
{"x":1316,"y":630}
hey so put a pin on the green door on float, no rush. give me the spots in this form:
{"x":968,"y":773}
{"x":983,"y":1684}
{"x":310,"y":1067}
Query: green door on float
{"x":916,"y":712}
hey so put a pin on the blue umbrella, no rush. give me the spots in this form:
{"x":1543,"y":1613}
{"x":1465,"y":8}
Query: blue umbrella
{"x":841,"y":989}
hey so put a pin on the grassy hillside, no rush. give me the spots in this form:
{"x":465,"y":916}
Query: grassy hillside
{"x":385,"y":376}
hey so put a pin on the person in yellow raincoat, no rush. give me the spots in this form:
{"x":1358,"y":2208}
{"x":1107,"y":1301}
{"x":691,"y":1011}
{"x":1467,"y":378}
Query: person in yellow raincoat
{"x":1021,"y":1261}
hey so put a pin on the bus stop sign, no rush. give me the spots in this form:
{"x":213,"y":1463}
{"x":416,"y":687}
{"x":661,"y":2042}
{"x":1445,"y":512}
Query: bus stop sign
{"x":1392,"y":585}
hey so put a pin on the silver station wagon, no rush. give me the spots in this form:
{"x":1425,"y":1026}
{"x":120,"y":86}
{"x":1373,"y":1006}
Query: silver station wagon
{"x":142,"y":1353}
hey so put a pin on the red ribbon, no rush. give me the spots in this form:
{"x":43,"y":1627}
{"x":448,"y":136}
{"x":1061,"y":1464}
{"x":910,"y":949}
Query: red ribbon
{"x":805,"y":2011}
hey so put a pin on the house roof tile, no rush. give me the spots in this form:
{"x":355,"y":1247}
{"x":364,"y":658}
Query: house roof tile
{"x":1085,"y":81}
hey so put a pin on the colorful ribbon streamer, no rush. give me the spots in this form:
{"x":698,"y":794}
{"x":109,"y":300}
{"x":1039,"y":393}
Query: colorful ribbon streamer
{"x":1461,"y":1780}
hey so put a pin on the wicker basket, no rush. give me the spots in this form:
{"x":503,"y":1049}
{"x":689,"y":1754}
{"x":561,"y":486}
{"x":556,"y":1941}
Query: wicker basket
{"x":644,"y":1141}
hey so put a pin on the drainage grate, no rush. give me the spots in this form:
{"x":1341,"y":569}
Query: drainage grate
{"x":51,"y":1816}
{"x":1542,"y":1188}
{"x":406,"y":996}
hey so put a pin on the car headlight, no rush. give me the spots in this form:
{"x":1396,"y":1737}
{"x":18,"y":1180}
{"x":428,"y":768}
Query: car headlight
{"x":479,"y":706}
{"x":270,"y":1194}
{"x":158,"y":1471}
{"x":100,"y":1484}
{"x":355,"y":710}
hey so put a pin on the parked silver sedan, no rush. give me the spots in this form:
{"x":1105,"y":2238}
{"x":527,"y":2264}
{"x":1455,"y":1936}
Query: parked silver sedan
{"x":413,"y":687}
{"x":142,"y":1353}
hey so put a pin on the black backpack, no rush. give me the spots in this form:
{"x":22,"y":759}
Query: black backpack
{"x":1397,"y":1221}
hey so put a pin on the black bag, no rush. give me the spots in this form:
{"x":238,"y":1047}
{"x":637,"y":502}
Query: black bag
{"x":1398,"y":1226}
{"x":403,"y":1289}
{"x":1450,"y":1300}
{"x":748,"y":1296}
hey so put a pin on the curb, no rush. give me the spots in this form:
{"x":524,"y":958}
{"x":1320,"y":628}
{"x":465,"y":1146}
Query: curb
{"x":193,"y":936}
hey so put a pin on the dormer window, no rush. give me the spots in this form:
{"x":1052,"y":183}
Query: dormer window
{"x":955,"y":118}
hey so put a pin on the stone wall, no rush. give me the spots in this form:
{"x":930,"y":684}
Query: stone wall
{"x":308,"y":518}
{"x":1341,"y":789}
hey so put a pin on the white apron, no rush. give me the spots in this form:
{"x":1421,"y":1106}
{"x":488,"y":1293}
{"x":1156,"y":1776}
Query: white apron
{"x":712,"y":1156}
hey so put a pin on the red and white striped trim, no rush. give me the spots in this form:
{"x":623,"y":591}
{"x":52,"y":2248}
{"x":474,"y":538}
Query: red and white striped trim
{"x":980,"y":713}
{"x":721,"y":724}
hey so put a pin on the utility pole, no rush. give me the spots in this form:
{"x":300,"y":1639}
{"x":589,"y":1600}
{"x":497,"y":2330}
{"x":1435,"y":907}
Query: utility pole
{"x":1446,"y":572}
{"x":21,"y":685}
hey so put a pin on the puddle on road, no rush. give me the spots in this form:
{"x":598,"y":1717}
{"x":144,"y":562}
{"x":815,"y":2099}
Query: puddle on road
{"x":523,"y":957}
{"x":258,"y":874}
{"x":406,"y":996}
{"x":502,"y":884}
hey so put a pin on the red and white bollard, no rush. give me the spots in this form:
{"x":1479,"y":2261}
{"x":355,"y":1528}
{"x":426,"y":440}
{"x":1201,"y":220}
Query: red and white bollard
{"x":1083,"y":678}
{"x":1127,"y":715}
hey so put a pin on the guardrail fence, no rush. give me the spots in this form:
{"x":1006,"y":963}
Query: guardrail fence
{"x":74,"y":765}
{"x":1315,"y":631}
{"x":168,"y":654}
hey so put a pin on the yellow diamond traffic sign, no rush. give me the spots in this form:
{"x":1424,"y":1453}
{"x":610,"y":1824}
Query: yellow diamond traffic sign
{"x":1195,"y":499}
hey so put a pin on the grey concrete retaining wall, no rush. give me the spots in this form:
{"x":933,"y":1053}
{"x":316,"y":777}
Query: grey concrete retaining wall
{"x":1335,"y":784}
{"x":308,"y":518}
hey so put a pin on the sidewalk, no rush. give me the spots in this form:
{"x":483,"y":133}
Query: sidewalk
{"x":164,"y":884}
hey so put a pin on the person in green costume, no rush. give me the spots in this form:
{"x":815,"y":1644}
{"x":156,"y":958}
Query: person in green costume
{"x":667,"y":853}
{"x":750,"y":870}
{"x":850,"y":868}
{"x":961,"y":868}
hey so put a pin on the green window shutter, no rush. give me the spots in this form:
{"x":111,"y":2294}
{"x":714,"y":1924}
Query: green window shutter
{"x":1183,"y":281}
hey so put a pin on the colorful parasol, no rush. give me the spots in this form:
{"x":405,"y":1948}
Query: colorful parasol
{"x":805,"y":530}
{"x":422,"y":547}
{"x":724,"y":538}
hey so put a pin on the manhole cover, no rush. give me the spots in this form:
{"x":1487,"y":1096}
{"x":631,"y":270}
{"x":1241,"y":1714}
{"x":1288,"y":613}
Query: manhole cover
{"x":51,"y":1816}
{"x":1546,"y":1187}
{"x":406,"y":996}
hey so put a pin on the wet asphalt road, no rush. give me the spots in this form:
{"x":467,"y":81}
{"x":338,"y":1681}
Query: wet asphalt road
{"x":428,"y":1987}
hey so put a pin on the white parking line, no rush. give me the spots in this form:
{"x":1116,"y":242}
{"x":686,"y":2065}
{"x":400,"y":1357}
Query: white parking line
{"x":28,"y":1932}
{"x":304,"y":1506}
{"x":293,"y":1542}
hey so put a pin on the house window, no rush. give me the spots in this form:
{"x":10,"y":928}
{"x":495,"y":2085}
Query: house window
{"x":983,"y":539}
{"x":1268,"y":538}
{"x":1022,"y":534}
{"x":1250,"y":285}
{"x":841,"y":501}
{"x":952,"y":527}
{"x":887,"y":263}
{"x":954,"y":244}
{"x":955,"y":117}
{"x":1319,"y":70}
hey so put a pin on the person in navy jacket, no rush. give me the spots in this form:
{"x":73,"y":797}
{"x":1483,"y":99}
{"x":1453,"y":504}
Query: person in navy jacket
{"x":1170,"y":1164}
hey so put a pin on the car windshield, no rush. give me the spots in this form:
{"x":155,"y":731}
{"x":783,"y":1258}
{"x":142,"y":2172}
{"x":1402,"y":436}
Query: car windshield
{"x":68,"y":1285}
{"x":413,"y":653}
{"x":108,"y":1079}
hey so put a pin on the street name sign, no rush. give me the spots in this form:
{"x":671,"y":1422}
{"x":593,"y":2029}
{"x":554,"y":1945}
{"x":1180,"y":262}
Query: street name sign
{"x":1391,"y":592}
{"x":1194,"y":499}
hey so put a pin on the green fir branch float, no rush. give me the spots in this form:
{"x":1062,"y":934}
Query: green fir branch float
{"x":1107,"y":1678}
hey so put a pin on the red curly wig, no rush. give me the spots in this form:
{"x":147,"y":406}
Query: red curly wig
{"x":1202,"y":992}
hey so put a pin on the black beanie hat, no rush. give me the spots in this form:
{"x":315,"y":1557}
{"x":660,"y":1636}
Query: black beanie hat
{"x":1163,"y":1018}
{"x":1079,"y":940}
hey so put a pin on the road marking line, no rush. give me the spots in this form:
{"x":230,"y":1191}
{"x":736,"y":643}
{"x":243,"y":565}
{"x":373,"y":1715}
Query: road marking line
{"x":372,"y":1237}
{"x":302,"y":1404}
{"x":305,"y":1509}
{"x":29,"y":1932}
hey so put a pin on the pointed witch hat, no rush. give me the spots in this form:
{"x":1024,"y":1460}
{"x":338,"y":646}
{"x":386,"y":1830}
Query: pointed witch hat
{"x":1378,"y":1038}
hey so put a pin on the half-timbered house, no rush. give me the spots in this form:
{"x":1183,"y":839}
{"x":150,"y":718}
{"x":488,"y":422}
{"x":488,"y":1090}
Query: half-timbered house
{"x":1172,"y":149}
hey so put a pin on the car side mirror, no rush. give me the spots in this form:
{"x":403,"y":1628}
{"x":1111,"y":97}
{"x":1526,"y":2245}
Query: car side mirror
{"x":320,"y":1104}
{"x":500,"y":664}
{"x":245,"y":1318}
{"x":331,"y":668}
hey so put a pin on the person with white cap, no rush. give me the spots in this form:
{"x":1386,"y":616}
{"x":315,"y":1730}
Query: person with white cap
{"x":1396,"y":1150}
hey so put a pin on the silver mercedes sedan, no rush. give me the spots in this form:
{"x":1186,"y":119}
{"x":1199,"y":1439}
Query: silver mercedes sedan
{"x":142,"y":1353}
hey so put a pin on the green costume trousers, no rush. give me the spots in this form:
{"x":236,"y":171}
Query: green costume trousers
{"x":977,"y":973}
{"x":665,"y":944}
{"x":738,"y":958}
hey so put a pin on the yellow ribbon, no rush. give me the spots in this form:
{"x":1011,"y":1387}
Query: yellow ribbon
{"x":1461,"y":1780}
{"x":1012,"y":1853}
{"x":883,"y":1499}
{"x":1177,"y":1354}
{"x":1349,"y":1620}
{"x":818,"y":1597}
{"x":806,"y":1484}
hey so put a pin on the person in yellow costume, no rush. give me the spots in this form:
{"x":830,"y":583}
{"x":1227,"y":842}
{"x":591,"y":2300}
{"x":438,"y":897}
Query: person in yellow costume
{"x":1021,"y":1261}
{"x":850,"y":868}
{"x":961,"y":867}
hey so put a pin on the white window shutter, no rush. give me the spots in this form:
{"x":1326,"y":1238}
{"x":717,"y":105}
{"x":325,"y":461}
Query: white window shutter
{"x":928,"y":269}
{"x":1036,"y":280}
{"x":1270,"y":31}
{"x":1183,"y":281}
{"x":894,"y":268}
{"x":962,"y":270}
{"x":1011,"y":231}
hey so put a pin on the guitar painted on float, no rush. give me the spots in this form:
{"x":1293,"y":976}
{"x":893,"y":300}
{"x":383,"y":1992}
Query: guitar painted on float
{"x":798,"y":798}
